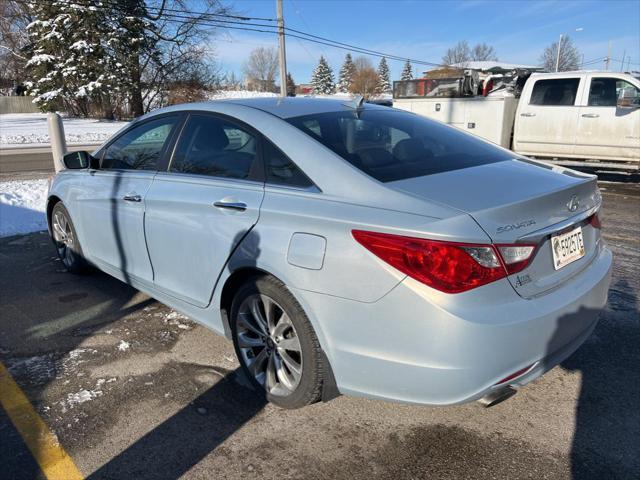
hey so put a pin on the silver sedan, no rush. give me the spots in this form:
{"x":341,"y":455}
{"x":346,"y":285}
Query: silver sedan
{"x":343,"y":247}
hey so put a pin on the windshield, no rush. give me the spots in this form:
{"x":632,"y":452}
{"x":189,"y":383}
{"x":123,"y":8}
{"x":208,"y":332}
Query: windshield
{"x":393,"y":145}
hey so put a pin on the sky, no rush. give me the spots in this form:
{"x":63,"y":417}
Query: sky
{"x":519,"y":30}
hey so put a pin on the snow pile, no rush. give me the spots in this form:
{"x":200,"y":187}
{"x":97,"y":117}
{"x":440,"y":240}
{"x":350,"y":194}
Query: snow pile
{"x":176,"y":318}
{"x":82,"y":396}
{"x":228,"y":94}
{"x":22,"y":206}
{"x":31,"y":128}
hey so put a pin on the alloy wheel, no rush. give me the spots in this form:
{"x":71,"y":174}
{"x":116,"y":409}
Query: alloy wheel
{"x":269,"y":344}
{"x":63,"y":236}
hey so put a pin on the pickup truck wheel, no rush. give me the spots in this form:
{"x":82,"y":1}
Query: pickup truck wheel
{"x":276,"y":344}
{"x":66,"y":240}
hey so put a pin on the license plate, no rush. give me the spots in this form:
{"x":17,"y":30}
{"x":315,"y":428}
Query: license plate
{"x":567,"y":247}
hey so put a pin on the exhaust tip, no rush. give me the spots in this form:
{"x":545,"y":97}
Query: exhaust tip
{"x":497,"y":396}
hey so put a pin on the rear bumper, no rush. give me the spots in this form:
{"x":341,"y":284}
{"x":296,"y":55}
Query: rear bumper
{"x":417,"y":345}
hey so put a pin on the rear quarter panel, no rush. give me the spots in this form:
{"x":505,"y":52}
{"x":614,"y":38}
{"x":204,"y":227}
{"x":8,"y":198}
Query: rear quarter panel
{"x":347,"y":269}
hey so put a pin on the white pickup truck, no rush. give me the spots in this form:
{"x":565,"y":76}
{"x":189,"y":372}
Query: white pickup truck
{"x":571,"y":118}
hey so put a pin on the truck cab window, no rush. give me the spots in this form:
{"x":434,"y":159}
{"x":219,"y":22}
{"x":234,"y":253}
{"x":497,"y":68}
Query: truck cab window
{"x":557,"y":91}
{"x":602,"y":92}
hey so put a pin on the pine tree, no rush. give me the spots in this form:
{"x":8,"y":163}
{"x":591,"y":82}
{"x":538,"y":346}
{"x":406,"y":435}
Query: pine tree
{"x":346,"y":74}
{"x":384,"y":83}
{"x":407,"y":71}
{"x":72,"y":66}
{"x":322,"y":78}
{"x":291,"y":86}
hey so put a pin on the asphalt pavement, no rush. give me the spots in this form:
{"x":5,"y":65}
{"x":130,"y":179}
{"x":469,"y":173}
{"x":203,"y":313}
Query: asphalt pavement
{"x":132,"y":389}
{"x":30,"y":158}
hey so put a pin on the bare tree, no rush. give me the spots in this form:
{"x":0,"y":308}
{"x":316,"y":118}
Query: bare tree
{"x":171,"y":49}
{"x":365,"y":78}
{"x":569,"y":56}
{"x":14,"y":40}
{"x":459,"y":53}
{"x":482,"y":52}
{"x":261,"y":69}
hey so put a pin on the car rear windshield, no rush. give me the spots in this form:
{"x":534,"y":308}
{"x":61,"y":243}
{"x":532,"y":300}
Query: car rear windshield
{"x":393,"y":145}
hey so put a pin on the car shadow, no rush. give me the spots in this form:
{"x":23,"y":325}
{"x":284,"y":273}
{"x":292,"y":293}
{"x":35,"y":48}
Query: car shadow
{"x":180,"y":442}
{"x":115,"y":226}
{"x":47,"y":313}
{"x":607,"y":417}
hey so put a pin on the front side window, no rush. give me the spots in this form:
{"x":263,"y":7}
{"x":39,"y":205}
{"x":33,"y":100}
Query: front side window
{"x":281,"y":170}
{"x":604,"y":92}
{"x":556,"y":91}
{"x":392,"y":145}
{"x":139,"y":148}
{"x":628,"y":91}
{"x":215,"y":147}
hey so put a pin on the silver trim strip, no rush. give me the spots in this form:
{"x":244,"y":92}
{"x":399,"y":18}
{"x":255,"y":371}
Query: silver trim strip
{"x":538,"y":235}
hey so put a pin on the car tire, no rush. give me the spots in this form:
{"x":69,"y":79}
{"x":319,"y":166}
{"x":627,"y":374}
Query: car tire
{"x":276,"y":344}
{"x":66,"y":241}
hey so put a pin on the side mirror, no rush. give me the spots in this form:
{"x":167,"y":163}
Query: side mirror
{"x":79,"y":160}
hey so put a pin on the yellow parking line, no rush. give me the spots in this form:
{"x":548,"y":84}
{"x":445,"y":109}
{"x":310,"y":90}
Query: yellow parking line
{"x":55,"y":463}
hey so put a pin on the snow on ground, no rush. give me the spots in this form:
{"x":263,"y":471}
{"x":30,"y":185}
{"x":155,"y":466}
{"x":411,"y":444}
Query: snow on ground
{"x":225,"y":94}
{"x":31,"y":128}
{"x":22,"y":206}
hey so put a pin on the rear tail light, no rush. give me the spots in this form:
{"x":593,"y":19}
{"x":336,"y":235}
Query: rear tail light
{"x":446,"y":266}
{"x":594,"y":221}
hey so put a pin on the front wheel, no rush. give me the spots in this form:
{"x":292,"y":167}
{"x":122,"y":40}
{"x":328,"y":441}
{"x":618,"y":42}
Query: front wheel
{"x":66,"y":240}
{"x":276,"y":344}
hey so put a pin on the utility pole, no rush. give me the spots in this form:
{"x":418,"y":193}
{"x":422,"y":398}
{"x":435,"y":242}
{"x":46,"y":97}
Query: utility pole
{"x":608,"y":59}
{"x":624,"y":55}
{"x":558,"y":57}
{"x":283,"y":55}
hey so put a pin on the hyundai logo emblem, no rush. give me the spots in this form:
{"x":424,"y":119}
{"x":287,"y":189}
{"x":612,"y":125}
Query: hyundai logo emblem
{"x":573,"y":203}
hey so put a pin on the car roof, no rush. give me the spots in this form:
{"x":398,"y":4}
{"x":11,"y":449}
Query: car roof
{"x":289,"y":107}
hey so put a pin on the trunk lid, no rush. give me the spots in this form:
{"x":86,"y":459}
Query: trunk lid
{"x":518,"y":201}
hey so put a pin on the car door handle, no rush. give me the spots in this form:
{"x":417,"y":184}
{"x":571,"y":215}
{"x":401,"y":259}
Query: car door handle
{"x":527,"y":114}
{"x":132,"y":197}
{"x":238,"y":206}
{"x":590,"y":115}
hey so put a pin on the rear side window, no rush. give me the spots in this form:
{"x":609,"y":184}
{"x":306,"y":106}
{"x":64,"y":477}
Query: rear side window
{"x":392,"y":145}
{"x":557,"y":91}
{"x":139,"y":148}
{"x":281,"y":170}
{"x":215,"y":147}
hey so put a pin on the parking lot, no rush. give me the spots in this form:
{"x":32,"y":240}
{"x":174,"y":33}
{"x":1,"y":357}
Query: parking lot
{"x":132,"y":389}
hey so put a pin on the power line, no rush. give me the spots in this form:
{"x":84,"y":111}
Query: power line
{"x":239,"y":23}
{"x":624,"y":61}
{"x":188,"y":16}
{"x":302,"y":36}
{"x":224,"y":15}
